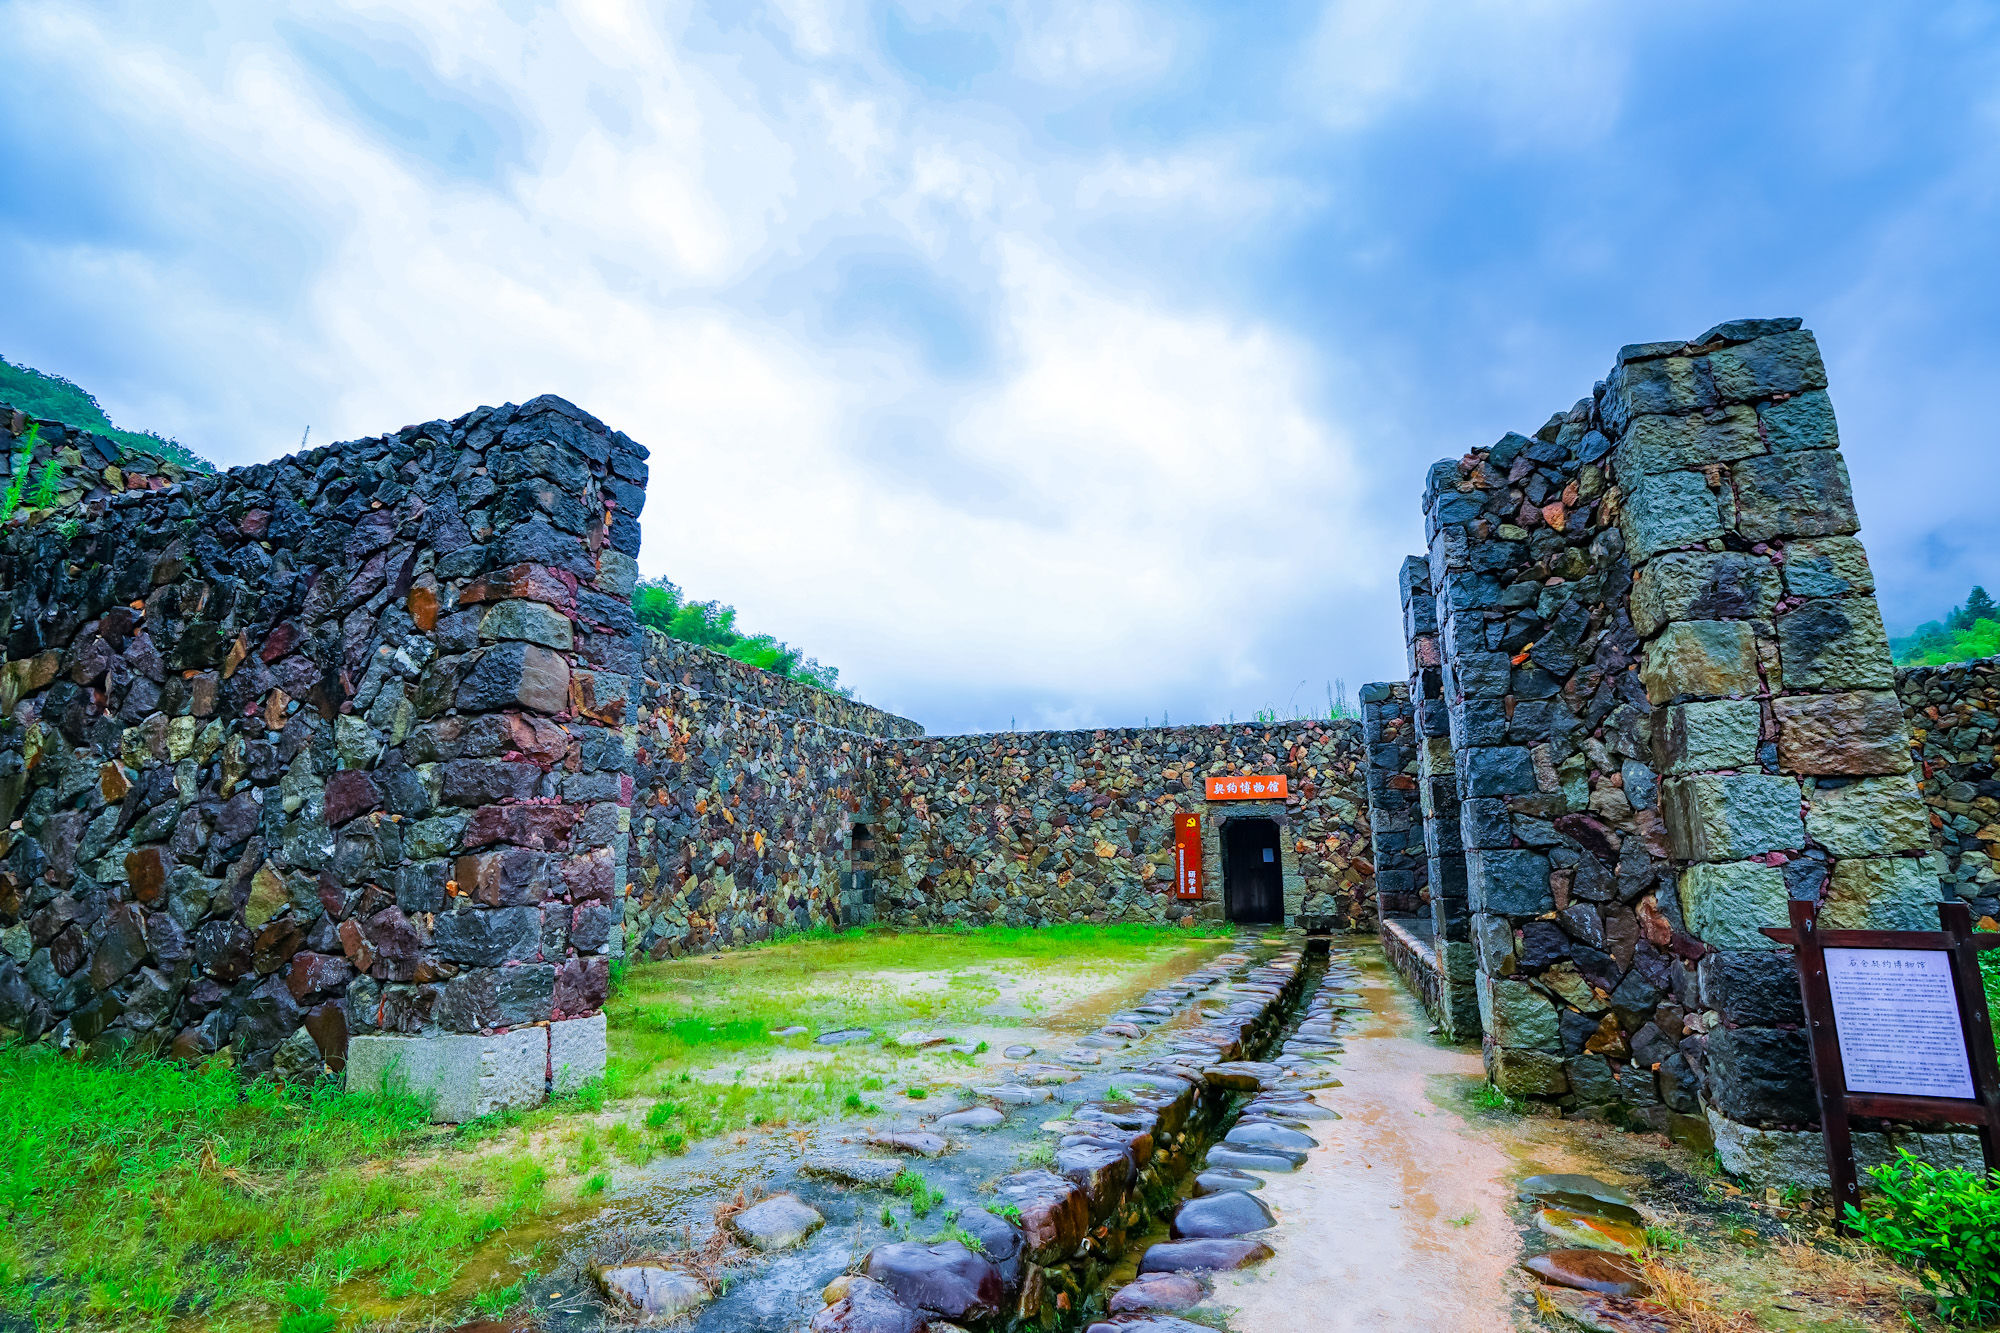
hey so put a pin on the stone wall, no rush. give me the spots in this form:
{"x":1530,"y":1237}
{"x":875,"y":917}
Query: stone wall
{"x":330,"y":745}
{"x":748,"y":788}
{"x":1027,"y":828}
{"x":1954,"y":719}
{"x":1670,"y":711}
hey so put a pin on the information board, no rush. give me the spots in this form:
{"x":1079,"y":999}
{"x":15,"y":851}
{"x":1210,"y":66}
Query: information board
{"x":1187,"y":856}
{"x":1897,"y":1018}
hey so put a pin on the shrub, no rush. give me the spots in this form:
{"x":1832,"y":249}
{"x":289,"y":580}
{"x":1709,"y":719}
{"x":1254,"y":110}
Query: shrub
{"x":1944,"y":1224}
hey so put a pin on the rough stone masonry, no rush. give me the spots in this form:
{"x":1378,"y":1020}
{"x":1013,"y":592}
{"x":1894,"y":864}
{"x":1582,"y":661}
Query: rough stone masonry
{"x":359,"y":759}
{"x":1650,"y":702}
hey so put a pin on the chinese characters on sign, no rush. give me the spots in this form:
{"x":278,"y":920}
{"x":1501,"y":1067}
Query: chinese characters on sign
{"x":1247,"y":789}
{"x":1897,"y":1019}
{"x":1187,"y":856}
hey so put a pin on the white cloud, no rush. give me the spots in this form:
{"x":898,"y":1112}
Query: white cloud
{"x":1529,"y":71}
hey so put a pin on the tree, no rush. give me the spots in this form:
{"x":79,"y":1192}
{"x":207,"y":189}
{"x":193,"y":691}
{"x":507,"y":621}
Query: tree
{"x":1980,"y":607}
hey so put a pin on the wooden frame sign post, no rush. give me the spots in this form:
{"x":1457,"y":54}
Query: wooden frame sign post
{"x":1899,"y":1031}
{"x":1187,"y":855}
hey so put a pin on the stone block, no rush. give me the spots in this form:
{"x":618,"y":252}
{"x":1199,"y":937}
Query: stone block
{"x":1882,"y":893}
{"x":1794,"y":495}
{"x":487,"y":937}
{"x":1850,"y":733}
{"x":1702,"y":659}
{"x":1519,"y":1017}
{"x":1703,"y":585}
{"x":1798,"y":1157}
{"x":1495,"y":771}
{"x":1834,"y":643}
{"x":1524,"y":1073}
{"x":1660,"y":384}
{"x":529,"y":622}
{"x":466,"y":1076}
{"x":1725,"y":903}
{"x":1786,"y":363}
{"x":1709,"y":734}
{"x":1867,"y":817}
{"x":1670,"y":511}
{"x":1761,"y":1075}
{"x":1728,"y":817}
{"x":1653,"y":445}
{"x":1827,"y":567}
{"x":1803,"y":421}
{"x":577,"y":1052}
{"x":1752,"y":988}
{"x":510,"y":675}
{"x":1510,"y":882}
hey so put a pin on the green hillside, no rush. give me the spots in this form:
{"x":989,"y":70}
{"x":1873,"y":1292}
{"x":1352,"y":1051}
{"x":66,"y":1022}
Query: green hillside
{"x":40,"y":394}
{"x":1971,"y":631}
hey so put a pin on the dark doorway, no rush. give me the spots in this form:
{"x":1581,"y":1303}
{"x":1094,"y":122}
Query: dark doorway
{"x":1253,"y":876}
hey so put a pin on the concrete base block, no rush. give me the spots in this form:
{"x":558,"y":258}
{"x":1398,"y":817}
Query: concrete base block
{"x":1798,"y":1157}
{"x":467,"y":1076}
{"x":576,"y":1052}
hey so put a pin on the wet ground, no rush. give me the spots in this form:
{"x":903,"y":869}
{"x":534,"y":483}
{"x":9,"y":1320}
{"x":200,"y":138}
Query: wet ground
{"x":1408,"y":1215}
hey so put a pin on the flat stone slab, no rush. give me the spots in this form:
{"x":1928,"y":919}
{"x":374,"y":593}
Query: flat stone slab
{"x":778,"y":1223}
{"x":917,"y":1142}
{"x":1242,"y":1159}
{"x":1081,"y":1057}
{"x":1242,"y":1075}
{"x":1589,"y":1187}
{"x":1300,"y":1110}
{"x":972,"y":1117}
{"x":646,"y":1290}
{"x":867,"y":1172}
{"x":1013,"y":1094}
{"x":1156,"y":1291}
{"x":1594,"y":1233}
{"x":793,"y":1031}
{"x":1197,"y":1256}
{"x":913,"y":1041}
{"x":1230,"y":1213}
{"x":1222,"y":1180}
{"x":945,"y":1279}
{"x":1590,"y":1270}
{"x":1018,"y":1051}
{"x":859,"y":1305}
{"x":1607,"y":1314}
{"x":843,"y":1036}
{"x":1269,"y":1138}
{"x":1309,"y":1080}
{"x":1046,"y":1074}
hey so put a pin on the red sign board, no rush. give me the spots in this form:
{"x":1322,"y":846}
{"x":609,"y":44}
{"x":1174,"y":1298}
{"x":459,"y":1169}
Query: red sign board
{"x":1253,"y":788}
{"x":1187,"y":856}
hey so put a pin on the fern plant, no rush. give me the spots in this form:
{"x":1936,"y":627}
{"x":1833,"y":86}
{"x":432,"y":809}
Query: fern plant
{"x":46,"y":484}
{"x":17,"y":481}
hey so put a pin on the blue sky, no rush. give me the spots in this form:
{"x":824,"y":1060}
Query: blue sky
{"x":1037,"y":365}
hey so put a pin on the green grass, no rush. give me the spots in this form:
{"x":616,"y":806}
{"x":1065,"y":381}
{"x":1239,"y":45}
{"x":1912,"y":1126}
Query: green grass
{"x":1989,"y":974}
{"x":154,"y":1195}
{"x":132,"y":1196}
{"x":1489,"y":1098}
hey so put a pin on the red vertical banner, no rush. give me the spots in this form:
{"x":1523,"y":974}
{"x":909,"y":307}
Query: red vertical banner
{"x":1187,"y":856}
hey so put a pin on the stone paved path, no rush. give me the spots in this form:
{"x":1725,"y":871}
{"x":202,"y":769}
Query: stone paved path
{"x":1399,"y":1219}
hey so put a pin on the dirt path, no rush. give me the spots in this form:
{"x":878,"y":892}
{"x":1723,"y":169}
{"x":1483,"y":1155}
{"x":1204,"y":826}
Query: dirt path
{"x":1401,"y":1221}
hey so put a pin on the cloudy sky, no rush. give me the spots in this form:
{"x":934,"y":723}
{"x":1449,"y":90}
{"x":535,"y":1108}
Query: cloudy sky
{"x":1036,"y":365}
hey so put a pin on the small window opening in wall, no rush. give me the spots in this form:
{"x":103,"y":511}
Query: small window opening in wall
{"x":861,"y":860}
{"x":1253,"y":885}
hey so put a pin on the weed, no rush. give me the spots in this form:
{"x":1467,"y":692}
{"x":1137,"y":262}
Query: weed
{"x":916,"y":1092}
{"x":501,"y":1299}
{"x":918,"y":1191}
{"x":1665,"y":1239}
{"x":47,"y":483}
{"x":1010,"y":1211}
{"x":1943,"y":1223}
{"x":1464,"y":1219}
{"x":1489,"y":1098}
{"x":595,"y":1185}
{"x":1039,"y":1154}
{"x":1114,"y":1093}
